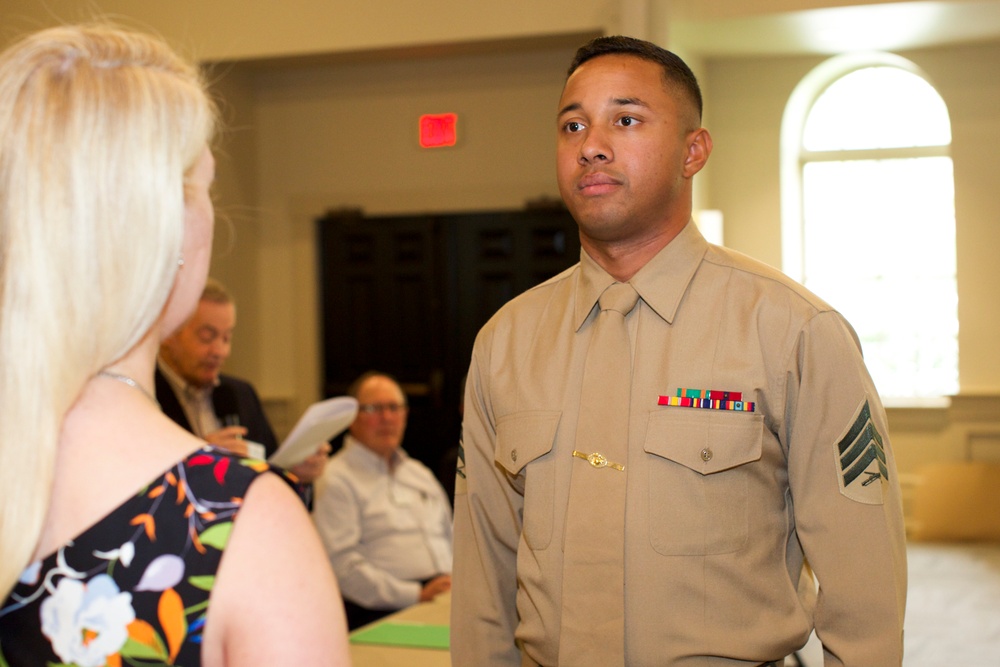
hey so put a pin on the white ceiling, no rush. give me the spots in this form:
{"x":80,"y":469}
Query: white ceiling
{"x":893,"y":26}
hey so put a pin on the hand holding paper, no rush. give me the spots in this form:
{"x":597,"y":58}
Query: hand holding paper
{"x":320,"y":422}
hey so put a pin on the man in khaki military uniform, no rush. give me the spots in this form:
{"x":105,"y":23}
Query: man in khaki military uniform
{"x":752,"y":438}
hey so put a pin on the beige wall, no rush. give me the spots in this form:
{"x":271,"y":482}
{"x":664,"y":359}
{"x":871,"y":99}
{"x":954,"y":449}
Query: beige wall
{"x":339,"y":129}
{"x":255,"y":29}
{"x":336,"y":137}
{"x":747,"y":97}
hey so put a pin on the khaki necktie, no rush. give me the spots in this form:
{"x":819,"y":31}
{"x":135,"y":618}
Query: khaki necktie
{"x":593,"y":609}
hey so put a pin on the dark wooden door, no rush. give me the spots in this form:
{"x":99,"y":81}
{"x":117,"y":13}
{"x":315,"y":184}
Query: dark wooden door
{"x":407,"y":295}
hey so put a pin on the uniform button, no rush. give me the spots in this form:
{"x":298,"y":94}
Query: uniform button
{"x":513,"y":455}
{"x":706,"y":454}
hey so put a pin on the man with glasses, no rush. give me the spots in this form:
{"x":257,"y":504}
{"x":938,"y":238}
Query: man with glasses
{"x":384,"y":519}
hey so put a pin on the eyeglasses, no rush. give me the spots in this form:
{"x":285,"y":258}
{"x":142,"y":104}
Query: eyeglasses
{"x":379,"y":408}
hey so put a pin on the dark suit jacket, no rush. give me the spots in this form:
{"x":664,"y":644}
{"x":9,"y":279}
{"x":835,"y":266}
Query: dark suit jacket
{"x":251,"y":411}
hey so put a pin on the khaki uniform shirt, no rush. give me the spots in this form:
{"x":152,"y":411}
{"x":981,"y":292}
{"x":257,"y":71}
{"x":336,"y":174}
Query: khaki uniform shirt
{"x":722,"y":506}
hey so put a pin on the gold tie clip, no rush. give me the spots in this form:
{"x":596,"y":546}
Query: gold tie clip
{"x":598,"y":460}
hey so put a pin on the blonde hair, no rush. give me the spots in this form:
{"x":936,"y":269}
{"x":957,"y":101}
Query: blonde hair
{"x":99,"y":128}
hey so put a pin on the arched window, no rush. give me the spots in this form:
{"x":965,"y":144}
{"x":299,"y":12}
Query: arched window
{"x":868,"y":215}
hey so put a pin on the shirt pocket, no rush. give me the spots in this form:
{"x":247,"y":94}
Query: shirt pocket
{"x":699,"y":479}
{"x":523,"y":449}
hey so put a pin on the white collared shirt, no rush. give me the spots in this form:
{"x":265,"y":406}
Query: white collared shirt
{"x":384,"y":531}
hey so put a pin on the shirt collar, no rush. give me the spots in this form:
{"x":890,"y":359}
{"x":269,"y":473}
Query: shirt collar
{"x":661,"y":283}
{"x":180,"y":385}
{"x":359,"y":450}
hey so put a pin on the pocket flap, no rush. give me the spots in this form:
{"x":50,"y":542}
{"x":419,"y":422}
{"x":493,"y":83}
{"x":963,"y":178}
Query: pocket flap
{"x":523,"y":437}
{"x":704,"y":441}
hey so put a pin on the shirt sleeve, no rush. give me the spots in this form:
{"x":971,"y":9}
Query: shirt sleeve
{"x":338,"y":520}
{"x":445,"y":515}
{"x":487,"y":530}
{"x":846,"y":496}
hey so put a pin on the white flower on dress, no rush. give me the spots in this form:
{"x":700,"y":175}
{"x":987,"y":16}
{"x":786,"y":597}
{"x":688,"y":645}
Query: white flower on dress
{"x":122,"y":554}
{"x":30,"y":574}
{"x":87,"y":622}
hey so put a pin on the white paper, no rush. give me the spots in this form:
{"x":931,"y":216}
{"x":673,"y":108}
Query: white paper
{"x":320,"y":422}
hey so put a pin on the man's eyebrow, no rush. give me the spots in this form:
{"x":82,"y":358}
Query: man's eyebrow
{"x":629,"y":102}
{"x":573,"y":106}
{"x":617,"y":101}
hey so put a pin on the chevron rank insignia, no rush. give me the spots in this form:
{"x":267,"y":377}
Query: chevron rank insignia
{"x":861,"y":460}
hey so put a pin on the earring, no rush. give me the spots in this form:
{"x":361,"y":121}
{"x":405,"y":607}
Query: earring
{"x":180,"y":261}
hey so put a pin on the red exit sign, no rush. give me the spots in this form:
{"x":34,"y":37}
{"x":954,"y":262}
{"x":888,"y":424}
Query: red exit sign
{"x":438,"y":130}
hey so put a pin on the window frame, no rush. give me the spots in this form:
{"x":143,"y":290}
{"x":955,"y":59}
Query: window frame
{"x":793,"y":158}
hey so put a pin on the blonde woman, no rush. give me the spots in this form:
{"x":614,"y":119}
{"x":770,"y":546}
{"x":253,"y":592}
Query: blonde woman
{"x":113,"y":520}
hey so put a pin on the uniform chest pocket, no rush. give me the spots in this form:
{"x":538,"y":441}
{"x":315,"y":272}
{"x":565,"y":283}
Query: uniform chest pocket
{"x":523,"y":449}
{"x":699,"y":479}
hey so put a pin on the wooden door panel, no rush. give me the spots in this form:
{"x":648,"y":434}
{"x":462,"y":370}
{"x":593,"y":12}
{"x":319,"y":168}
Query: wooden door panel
{"x":408,"y":295}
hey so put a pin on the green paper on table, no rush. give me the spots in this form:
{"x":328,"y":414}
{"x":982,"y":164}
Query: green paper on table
{"x":416,"y":635}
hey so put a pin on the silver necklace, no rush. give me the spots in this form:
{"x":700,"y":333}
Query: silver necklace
{"x":130,"y":382}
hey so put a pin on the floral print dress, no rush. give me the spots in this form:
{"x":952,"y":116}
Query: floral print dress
{"x":134,"y":588}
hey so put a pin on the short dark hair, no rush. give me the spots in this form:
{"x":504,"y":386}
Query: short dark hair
{"x":675,"y":70}
{"x":216,"y":292}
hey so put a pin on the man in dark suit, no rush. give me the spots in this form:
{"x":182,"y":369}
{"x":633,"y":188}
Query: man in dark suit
{"x":250,"y":420}
{"x":222,"y":409}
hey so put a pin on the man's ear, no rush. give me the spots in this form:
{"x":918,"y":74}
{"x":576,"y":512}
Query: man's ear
{"x":699,"y":147}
